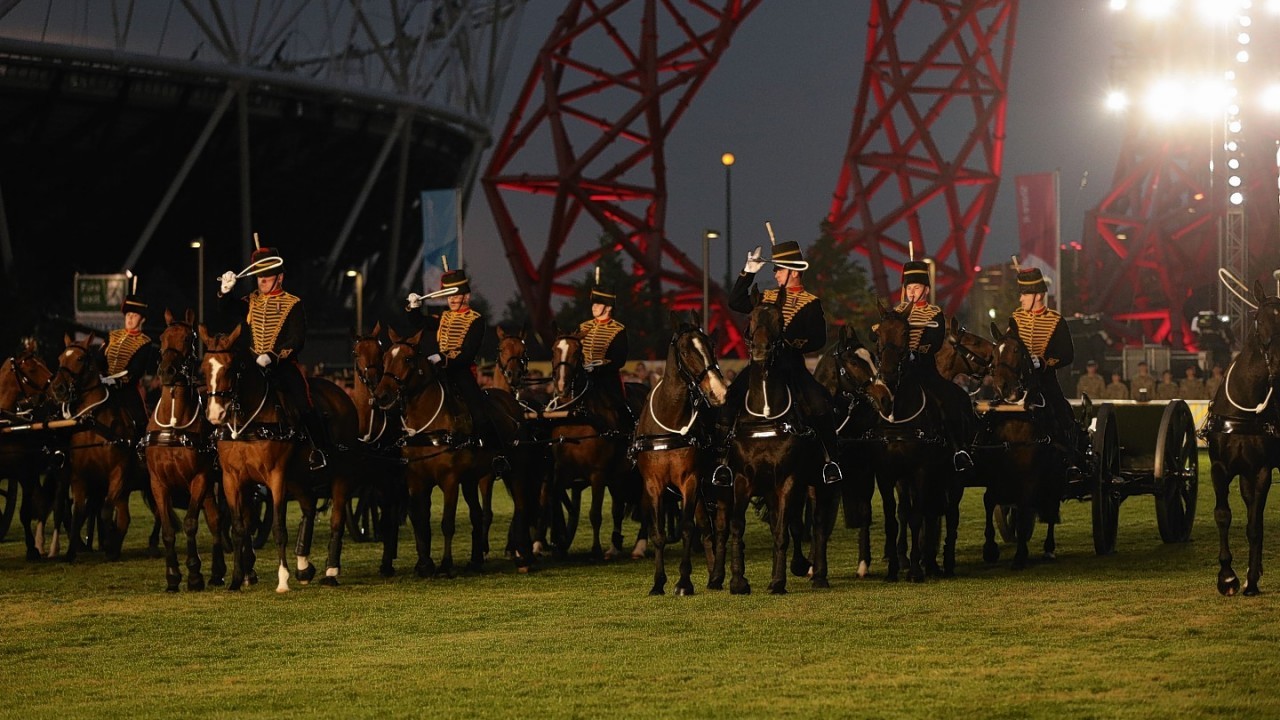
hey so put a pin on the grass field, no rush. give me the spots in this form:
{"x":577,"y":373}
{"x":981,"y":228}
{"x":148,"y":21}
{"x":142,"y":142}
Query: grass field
{"x":1142,"y":633}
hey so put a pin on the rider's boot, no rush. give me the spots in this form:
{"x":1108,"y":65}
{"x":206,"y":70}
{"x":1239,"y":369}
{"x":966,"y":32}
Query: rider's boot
{"x":825,"y":428}
{"x":317,"y":437}
{"x":722,"y":476}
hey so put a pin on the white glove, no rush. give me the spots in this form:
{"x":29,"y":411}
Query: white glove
{"x":228,"y":280}
{"x":1037,"y":362}
{"x":264,"y":360}
{"x":755,"y":262}
{"x":435,"y":358}
{"x":414,"y":300}
{"x":108,"y":381}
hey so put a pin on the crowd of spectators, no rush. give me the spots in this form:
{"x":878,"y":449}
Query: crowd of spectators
{"x":1145,"y":386}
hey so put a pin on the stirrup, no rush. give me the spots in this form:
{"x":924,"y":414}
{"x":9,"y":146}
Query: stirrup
{"x":500,"y":464}
{"x":722,"y":476}
{"x":962,"y":460}
{"x":317,"y":459}
{"x":831,"y":473}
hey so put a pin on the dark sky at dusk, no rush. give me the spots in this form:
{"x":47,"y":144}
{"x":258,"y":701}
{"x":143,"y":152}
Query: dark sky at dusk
{"x":782,"y":100}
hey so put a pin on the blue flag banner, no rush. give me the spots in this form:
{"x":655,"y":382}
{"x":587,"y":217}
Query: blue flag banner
{"x":440,"y":236}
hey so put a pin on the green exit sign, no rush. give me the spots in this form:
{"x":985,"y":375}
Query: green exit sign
{"x":100,"y":293}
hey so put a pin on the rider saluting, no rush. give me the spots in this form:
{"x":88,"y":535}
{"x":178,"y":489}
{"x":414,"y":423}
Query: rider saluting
{"x":1049,"y":342}
{"x":277,"y":331}
{"x":804,"y":330}
{"x":928,"y":332}
{"x":129,"y":353}
{"x":604,"y":351}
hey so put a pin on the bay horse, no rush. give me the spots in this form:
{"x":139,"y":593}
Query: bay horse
{"x":964,"y":352}
{"x":384,"y":496}
{"x":771,"y":458}
{"x":258,"y":446}
{"x":24,"y":387}
{"x":511,"y":375}
{"x":850,"y":372}
{"x":439,"y":449}
{"x":671,"y":448}
{"x":101,"y":462}
{"x":587,"y":448}
{"x":914,"y":457}
{"x":1243,"y":440}
{"x":1023,"y":465}
{"x":180,"y":457}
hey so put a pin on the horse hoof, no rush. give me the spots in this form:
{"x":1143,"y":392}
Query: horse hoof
{"x":522,"y":569}
{"x":153,"y":552}
{"x":307,"y":574}
{"x":1229,"y":586}
{"x":218,"y":582}
{"x":891,"y":577}
{"x":684,"y":590}
{"x":329,"y":581}
{"x":425,"y":570}
{"x":34,"y":555}
{"x":743,"y":588}
{"x":251,"y":579}
{"x":195,"y":584}
{"x":657,"y":590}
{"x":387,"y":571}
{"x":864,"y":569}
{"x":235,"y":586}
{"x":820,"y":582}
{"x":991,"y":553}
{"x":801,"y":567}
{"x":171,"y":588}
{"x":715,"y":584}
{"x":1050,"y":555}
{"x":777,"y":589}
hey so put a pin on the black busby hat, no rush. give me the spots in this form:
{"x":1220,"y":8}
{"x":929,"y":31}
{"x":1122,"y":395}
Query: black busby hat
{"x":1031,"y":281}
{"x":601,"y":294}
{"x":132,"y":301}
{"x":787,"y":255}
{"x":915,"y":271}
{"x":453,"y":282}
{"x":265,"y":261}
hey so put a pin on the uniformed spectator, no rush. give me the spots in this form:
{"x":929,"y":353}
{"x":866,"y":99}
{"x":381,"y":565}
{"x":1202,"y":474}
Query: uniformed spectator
{"x":1090,"y":383}
{"x":1191,"y":387}
{"x":1116,"y":389}
{"x":1167,"y":389}
{"x":1213,"y":382}
{"x":1143,"y":381}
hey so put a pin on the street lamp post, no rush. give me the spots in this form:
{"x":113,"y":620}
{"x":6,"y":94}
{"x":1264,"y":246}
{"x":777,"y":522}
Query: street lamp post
{"x":198,"y":246}
{"x":359,"y":276}
{"x":727,"y":160}
{"x":707,"y":237}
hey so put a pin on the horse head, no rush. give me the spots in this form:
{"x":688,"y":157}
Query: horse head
{"x":223,"y":363}
{"x":405,"y":371}
{"x":177,"y":349}
{"x":79,"y":370}
{"x":695,"y":361}
{"x":367,"y":358}
{"x":1266,"y":330}
{"x":973,"y":352}
{"x":566,"y":368}
{"x":513,"y":360}
{"x":893,"y":341}
{"x":764,"y":327}
{"x":857,"y":375}
{"x":26,"y":383}
{"x":1011,"y":367}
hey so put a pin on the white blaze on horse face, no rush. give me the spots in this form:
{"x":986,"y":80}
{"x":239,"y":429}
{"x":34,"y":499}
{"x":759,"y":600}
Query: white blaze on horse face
{"x":562,"y":369}
{"x":216,"y":411}
{"x":715,"y":380}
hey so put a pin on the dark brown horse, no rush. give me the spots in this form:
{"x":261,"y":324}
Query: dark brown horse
{"x":850,"y":372}
{"x":964,"y":352}
{"x":24,"y":385}
{"x":1026,"y":467}
{"x":180,"y":457}
{"x":383,"y":499}
{"x":441,"y":449}
{"x":671,"y":450}
{"x":1243,"y":440}
{"x":257,"y":445}
{"x":102,"y":466}
{"x":771,"y":458}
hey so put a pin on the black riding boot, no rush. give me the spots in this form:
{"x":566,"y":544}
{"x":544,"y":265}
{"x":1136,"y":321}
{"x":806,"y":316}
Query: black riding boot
{"x":827,"y":437}
{"x":487,"y":431}
{"x":317,"y":437}
{"x":722,"y":476}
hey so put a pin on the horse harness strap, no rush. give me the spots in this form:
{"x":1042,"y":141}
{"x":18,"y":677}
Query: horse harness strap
{"x":1237,"y":426}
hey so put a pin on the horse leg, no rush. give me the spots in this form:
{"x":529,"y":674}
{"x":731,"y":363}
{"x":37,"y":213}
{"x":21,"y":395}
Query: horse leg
{"x":393,"y":500}
{"x":486,"y":511}
{"x":1024,"y":523}
{"x":738,"y":584}
{"x":688,"y":529}
{"x":1050,"y":542}
{"x":448,"y":522}
{"x":893,"y":560}
{"x":115,"y":512}
{"x":162,"y":497}
{"x":1255,"y":501}
{"x":337,"y":527}
{"x":79,"y":502}
{"x":651,"y":502}
{"x":31,"y":516}
{"x":306,"y":534}
{"x":236,"y":512}
{"x":479,"y":526}
{"x":990,"y":548}
{"x":784,"y":514}
{"x":596,"y":516}
{"x":823,"y":524}
{"x":618,"y":508}
{"x":953,"y":529}
{"x":215,"y":520}
{"x":1228,"y":581}
{"x":279,"y":531}
{"x":800,"y":564}
{"x":420,"y":517}
{"x":910,"y":507}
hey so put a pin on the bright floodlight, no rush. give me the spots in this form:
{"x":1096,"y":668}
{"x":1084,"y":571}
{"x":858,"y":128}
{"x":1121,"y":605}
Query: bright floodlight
{"x":1164,"y":100}
{"x":1234,"y":163}
{"x":1273,"y":7}
{"x":1243,"y":38}
{"x":1271,"y":99}
{"x":1234,"y":181}
{"x":1117,"y":101}
{"x":1118,"y":5}
{"x":1156,"y":8}
{"x":1242,"y":56}
{"x":1237,"y":198}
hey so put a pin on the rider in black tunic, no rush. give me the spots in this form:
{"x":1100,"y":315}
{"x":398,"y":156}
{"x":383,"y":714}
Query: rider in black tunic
{"x":604,"y":352}
{"x":1049,"y":342}
{"x":277,"y":333}
{"x":928,"y":332}
{"x":804,"y":330}
{"x":130,"y":354}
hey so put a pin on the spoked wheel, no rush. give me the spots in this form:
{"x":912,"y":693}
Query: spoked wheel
{"x":1177,"y":473}
{"x":1004,"y":519}
{"x":1106,"y":499}
{"x":8,"y":504}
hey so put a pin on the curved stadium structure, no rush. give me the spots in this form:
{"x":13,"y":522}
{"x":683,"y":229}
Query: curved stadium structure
{"x":128,"y":129}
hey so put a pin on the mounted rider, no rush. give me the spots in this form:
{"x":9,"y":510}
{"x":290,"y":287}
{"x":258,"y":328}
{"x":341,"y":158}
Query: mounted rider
{"x":1048,"y":340}
{"x":129,"y":354}
{"x":604,"y":352}
{"x":804,"y":330}
{"x":451,"y":340}
{"x":928,"y":332}
{"x":277,"y":333}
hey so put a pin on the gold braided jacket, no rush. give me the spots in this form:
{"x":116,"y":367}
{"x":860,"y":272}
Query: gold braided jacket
{"x":121,"y":347}
{"x":267,"y":314}
{"x":453,"y":330}
{"x":596,"y":339}
{"x":795,"y":301}
{"x":918,"y":317}
{"x":1035,"y":330}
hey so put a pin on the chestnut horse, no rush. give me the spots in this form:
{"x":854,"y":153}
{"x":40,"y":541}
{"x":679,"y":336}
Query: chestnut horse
{"x":102,"y":464}
{"x":670,"y":446}
{"x":1243,"y":440}
{"x":180,"y":457}
{"x":440,"y":449}
{"x":258,"y":446}
{"x":24,"y":386}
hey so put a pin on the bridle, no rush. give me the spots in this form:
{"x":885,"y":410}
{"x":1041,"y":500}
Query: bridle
{"x":1017,"y":371}
{"x":693,"y":381}
{"x":32,"y":392}
{"x":515,"y":375}
{"x":72,"y":385}
{"x":184,"y":366}
{"x":413,"y":362}
{"x":369,"y":375}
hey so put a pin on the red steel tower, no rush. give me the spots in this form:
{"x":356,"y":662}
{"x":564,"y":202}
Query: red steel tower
{"x":605,"y":101}
{"x":925,"y":153}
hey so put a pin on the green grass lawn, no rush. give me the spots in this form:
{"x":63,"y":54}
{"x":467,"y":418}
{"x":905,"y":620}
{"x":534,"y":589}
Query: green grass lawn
{"x":1142,"y":633}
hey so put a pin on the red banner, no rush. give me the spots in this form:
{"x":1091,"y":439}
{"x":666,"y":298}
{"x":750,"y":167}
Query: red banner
{"x":1038,"y":236}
